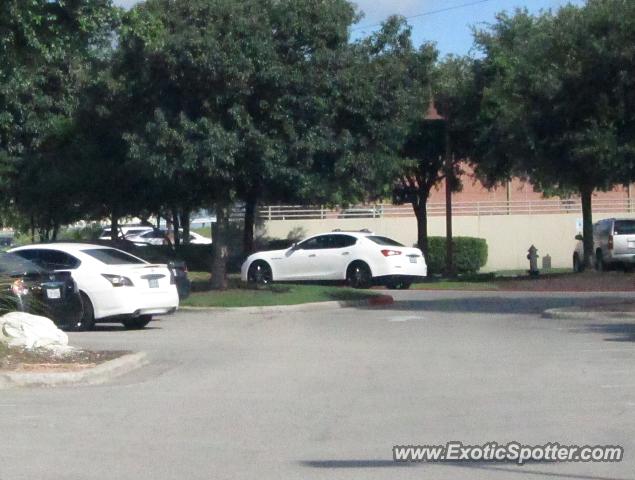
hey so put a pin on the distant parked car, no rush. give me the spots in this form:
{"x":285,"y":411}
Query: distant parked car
{"x":125,"y":232}
{"x":27,"y":287}
{"x":158,"y":237}
{"x":613,"y":244}
{"x":114,"y":285}
{"x":361,"y":258}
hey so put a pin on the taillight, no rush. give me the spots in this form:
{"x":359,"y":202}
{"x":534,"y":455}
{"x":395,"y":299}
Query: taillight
{"x":610,"y":242}
{"x":390,"y":253}
{"x":19,"y":288}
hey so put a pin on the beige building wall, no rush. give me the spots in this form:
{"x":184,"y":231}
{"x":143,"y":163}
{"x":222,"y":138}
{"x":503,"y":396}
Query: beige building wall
{"x":508,"y":236}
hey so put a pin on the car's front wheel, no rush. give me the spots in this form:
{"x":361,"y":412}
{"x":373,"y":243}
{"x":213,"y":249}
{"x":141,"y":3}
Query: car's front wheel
{"x":358,"y":275}
{"x":137,"y":323}
{"x":577,"y":264}
{"x":259,"y":273}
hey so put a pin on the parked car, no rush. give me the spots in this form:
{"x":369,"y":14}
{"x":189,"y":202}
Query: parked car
{"x":125,"y":232}
{"x":29,"y":288}
{"x":613,"y":244}
{"x":114,"y":285}
{"x":158,"y":237}
{"x":360,"y":258}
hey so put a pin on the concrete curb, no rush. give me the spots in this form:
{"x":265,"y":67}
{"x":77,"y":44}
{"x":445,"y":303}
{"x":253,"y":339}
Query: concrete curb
{"x":376,"y":301}
{"x":93,"y":376}
{"x":575,"y":313}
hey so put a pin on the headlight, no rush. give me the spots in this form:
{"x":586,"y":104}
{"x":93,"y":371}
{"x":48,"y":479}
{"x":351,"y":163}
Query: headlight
{"x":118,"y":280}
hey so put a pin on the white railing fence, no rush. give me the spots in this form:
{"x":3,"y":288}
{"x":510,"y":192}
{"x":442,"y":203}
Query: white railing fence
{"x":533,"y":207}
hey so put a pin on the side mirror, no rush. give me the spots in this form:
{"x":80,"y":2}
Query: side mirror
{"x":579,"y":237}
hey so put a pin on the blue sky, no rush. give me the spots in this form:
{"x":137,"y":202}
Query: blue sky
{"x":449,"y":29}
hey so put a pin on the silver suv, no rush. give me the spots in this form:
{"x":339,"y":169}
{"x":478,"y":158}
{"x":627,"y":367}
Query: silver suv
{"x":613,"y":243}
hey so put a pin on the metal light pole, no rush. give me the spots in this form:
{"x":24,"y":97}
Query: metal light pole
{"x":432,"y":115}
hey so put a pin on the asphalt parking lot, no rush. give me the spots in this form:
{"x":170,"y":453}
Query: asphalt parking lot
{"x":326,"y":394}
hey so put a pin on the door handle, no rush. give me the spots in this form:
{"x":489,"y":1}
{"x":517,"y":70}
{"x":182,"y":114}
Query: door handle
{"x":312,"y":255}
{"x":346,"y":253}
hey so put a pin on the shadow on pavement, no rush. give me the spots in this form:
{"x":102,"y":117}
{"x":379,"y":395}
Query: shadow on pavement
{"x":620,"y":332}
{"x":497,"y":304}
{"x":491,"y":466}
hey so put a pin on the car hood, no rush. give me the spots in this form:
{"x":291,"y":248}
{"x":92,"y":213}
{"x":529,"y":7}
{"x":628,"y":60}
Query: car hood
{"x":270,"y":254}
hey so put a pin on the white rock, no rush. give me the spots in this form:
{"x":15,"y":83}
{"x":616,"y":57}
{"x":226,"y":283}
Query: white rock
{"x":19,"y":329}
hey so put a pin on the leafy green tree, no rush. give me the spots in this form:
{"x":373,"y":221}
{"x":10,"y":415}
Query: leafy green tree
{"x":558,"y":100}
{"x":430,"y":141}
{"x":46,"y":50}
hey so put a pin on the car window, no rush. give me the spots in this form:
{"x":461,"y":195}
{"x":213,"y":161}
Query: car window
{"x":384,"y":241}
{"x":56,"y":260}
{"x":135,"y":231}
{"x":624,"y":227}
{"x":314,"y":243}
{"x":110,"y":256}
{"x":341,"y":241}
{"x":13,"y":264}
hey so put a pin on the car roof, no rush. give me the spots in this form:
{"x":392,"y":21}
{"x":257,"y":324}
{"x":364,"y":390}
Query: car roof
{"x":67,"y":246}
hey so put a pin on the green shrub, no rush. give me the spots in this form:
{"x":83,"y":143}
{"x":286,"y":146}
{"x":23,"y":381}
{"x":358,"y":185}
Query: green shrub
{"x":470,"y":254}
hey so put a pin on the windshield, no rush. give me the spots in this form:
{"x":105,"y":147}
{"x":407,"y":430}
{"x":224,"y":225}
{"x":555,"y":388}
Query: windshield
{"x":385,"y":241}
{"x":110,"y":256}
{"x":624,"y":227}
{"x":12,"y":264}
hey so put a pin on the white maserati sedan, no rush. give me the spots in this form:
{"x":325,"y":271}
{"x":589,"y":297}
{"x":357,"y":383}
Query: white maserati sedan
{"x":360,"y":258}
{"x":114,"y":285}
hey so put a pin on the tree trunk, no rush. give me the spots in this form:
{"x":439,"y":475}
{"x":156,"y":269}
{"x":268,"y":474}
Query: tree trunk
{"x":114,"y":227}
{"x":177,"y":227}
{"x":185,"y":225}
{"x":56,"y":231}
{"x":421,"y":212}
{"x":586,"y":194}
{"x":221,"y":251}
{"x":250,"y":221}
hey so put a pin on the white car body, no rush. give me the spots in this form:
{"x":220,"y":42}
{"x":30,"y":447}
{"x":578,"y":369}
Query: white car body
{"x":386,"y":259}
{"x":157,"y":237}
{"x":152,"y":292}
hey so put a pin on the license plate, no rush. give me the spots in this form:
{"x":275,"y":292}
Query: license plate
{"x":153,"y":283}
{"x":413,"y":259}
{"x":53,"y":293}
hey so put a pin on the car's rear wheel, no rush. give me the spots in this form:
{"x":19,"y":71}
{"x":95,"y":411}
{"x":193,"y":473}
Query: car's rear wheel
{"x":260,"y":273}
{"x":398,"y":285}
{"x":358,"y":275}
{"x":87,"y":320}
{"x":599,"y":261}
{"x":137,"y":323}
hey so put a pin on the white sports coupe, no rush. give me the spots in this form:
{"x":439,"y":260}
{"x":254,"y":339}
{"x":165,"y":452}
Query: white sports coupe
{"x":114,"y":285}
{"x":361,"y":258}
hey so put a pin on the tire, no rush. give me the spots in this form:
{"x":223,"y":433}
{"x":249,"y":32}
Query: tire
{"x":260,"y":274}
{"x":359,"y":276}
{"x":599,"y":262}
{"x":137,"y":323}
{"x":398,"y":285}
{"x":577,"y":264}
{"x":87,"y":322}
